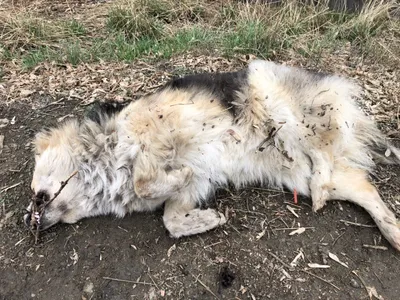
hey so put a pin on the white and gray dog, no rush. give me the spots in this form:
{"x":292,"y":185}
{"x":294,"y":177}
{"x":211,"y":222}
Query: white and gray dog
{"x":267,"y":124}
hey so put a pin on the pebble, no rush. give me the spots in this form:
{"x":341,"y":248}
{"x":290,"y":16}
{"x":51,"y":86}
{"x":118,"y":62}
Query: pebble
{"x":88,"y":288}
{"x":354,"y":283}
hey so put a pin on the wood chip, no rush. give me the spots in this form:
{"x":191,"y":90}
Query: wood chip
{"x":318,"y":266}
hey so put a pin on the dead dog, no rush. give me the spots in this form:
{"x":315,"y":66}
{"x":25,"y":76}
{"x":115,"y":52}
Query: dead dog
{"x":267,"y":124}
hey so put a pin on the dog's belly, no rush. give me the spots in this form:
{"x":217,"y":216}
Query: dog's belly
{"x":244,"y":166}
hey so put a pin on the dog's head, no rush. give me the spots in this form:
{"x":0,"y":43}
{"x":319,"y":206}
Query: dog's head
{"x":54,"y":163}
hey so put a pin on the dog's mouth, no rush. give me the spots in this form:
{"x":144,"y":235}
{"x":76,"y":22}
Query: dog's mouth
{"x":33,"y":217}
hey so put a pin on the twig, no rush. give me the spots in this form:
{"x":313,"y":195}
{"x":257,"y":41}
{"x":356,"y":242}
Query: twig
{"x":375,"y":247}
{"x":261,"y":147}
{"x":280,"y":260}
{"x":63,"y":184}
{"x":395,"y":257}
{"x":291,"y":228}
{"x":10,"y":187}
{"x":37,"y":212}
{"x":214,"y":244}
{"x":128,"y":281}
{"x":357,"y":224}
{"x":380,"y":281}
{"x":151,"y":278}
{"x":205,"y":286}
{"x":363,"y":283}
{"x":250,"y":212}
{"x":334,"y":242}
{"x":54,"y":103}
{"x":320,"y":278}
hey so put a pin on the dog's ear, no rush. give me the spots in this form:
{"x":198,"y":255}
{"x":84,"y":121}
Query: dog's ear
{"x":41,"y":142}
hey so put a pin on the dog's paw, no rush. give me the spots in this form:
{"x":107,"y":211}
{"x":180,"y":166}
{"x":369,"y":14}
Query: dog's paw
{"x":194,"y":222}
{"x":319,"y":197}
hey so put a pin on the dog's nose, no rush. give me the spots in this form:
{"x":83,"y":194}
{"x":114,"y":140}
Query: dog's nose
{"x":27,"y":219}
{"x":42,"y":197}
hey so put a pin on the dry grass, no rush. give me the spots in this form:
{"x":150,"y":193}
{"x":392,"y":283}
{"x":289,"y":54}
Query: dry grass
{"x":128,"y":29}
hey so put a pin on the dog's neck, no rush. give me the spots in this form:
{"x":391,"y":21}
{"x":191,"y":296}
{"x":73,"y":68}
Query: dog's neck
{"x":105,"y":183}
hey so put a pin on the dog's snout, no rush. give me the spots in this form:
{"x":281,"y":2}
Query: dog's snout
{"x":27,"y":219}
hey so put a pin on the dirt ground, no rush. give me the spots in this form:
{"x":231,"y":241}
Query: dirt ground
{"x":134,"y":258}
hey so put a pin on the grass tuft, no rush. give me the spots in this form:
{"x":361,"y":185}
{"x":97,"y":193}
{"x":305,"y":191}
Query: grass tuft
{"x":156,"y":29}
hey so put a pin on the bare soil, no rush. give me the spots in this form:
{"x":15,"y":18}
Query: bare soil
{"x":134,"y":258}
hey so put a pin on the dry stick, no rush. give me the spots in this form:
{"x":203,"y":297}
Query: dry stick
{"x":211,"y":245}
{"x":320,"y":278}
{"x":280,"y":260}
{"x":128,"y":281}
{"x":205,"y":286}
{"x":291,"y":228}
{"x":376,"y":247}
{"x":35,"y":208}
{"x":363,"y":283}
{"x":357,"y":224}
{"x":63,"y":184}
{"x":10,"y":187}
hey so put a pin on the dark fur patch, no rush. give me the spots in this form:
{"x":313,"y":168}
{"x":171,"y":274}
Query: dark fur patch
{"x":63,"y":207}
{"x":223,"y":85}
{"x":100,"y":111}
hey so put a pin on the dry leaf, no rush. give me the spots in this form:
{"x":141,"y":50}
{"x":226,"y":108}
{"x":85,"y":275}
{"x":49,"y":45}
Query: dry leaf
{"x":296,"y":259}
{"x":242,"y":289}
{"x":298,"y":231}
{"x":1,"y":143}
{"x":26,"y":93}
{"x":291,"y":209}
{"x":4,"y":122}
{"x":372,"y":292}
{"x":74,"y":256}
{"x":171,"y":249}
{"x":260,"y":235}
{"x":335,"y":258}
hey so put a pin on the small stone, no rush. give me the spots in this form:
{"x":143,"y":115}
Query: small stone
{"x":354,"y":283}
{"x":88,"y":288}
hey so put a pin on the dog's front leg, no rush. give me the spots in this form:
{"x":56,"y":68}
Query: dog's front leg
{"x":157,"y":183}
{"x":181,"y":218}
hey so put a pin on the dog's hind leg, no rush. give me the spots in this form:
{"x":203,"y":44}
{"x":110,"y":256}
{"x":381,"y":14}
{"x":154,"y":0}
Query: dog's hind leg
{"x":321,"y":177}
{"x":352,"y":185}
{"x":182,"y":218}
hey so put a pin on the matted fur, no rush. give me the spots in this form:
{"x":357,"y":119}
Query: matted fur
{"x":268,"y":124}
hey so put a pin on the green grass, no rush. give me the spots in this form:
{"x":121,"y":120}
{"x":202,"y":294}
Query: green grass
{"x":157,"y":29}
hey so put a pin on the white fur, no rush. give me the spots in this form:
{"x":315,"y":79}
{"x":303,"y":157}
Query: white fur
{"x":177,"y":146}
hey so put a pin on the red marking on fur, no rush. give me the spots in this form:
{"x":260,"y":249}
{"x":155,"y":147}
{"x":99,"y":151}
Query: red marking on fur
{"x":295,"y":196}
